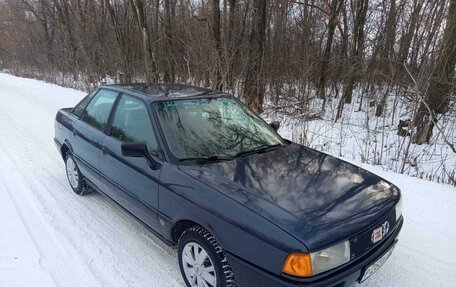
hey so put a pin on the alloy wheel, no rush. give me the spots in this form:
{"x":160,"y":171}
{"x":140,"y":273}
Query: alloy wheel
{"x":72,"y":173}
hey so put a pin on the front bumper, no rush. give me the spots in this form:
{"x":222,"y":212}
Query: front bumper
{"x":248,"y":275}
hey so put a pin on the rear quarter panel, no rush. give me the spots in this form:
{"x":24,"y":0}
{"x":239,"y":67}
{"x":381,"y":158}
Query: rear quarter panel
{"x":64,"y":127}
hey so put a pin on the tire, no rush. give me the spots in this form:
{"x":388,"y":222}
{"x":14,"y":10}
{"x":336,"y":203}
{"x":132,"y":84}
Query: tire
{"x":74,"y":176}
{"x":200,"y":240}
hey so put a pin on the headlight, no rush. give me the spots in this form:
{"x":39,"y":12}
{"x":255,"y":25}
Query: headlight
{"x":309,"y":264}
{"x":399,"y":208}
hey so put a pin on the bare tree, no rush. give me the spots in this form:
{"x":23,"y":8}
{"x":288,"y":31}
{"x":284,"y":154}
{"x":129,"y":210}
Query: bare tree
{"x":360,"y":10}
{"x":332,"y":22}
{"x":168,"y":29}
{"x":438,"y":92}
{"x":149,"y":63}
{"x":216,"y":31}
{"x":254,"y":86}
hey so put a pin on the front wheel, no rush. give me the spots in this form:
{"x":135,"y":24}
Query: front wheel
{"x":202,"y":261}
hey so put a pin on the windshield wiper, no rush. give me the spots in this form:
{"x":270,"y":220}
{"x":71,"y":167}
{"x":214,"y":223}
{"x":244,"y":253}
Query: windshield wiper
{"x":206,"y":159}
{"x":260,"y":149}
{"x":215,"y":158}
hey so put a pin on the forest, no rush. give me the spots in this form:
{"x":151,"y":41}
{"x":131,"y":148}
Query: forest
{"x":370,"y":80}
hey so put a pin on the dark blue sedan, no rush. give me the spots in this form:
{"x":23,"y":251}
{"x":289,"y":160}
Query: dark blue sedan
{"x":244,"y":206}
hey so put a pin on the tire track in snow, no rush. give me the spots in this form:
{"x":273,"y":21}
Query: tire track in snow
{"x":19,"y":250}
{"x":43,"y":265}
{"x":41,"y":232}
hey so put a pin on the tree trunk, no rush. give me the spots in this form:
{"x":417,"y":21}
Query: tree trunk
{"x":437,"y":97}
{"x":406,"y":39}
{"x":390,"y":32}
{"x":356,"y":58}
{"x":333,"y":19}
{"x":122,"y":42}
{"x":254,"y":84}
{"x":149,"y":64}
{"x":217,"y":43}
{"x":230,"y":59}
{"x":387,"y":54}
{"x":169,"y":72}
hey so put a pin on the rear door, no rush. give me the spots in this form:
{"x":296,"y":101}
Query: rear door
{"x":130,"y":180}
{"x":88,"y":132}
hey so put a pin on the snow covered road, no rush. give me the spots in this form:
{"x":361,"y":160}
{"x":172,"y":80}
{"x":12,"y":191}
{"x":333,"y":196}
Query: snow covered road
{"x":51,"y":237}
{"x":48,"y":235}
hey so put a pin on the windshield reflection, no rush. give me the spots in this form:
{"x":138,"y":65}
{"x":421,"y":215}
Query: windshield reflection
{"x":213,"y":128}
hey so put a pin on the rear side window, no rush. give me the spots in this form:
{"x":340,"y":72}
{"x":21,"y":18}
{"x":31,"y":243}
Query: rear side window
{"x":132,"y":124}
{"x":97,"y":112}
{"x":79,"y":108}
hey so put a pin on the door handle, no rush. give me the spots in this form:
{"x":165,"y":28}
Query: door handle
{"x":104,"y":150}
{"x":75,"y":132}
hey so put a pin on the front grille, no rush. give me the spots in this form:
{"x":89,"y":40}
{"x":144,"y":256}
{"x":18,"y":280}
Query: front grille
{"x":362,"y":243}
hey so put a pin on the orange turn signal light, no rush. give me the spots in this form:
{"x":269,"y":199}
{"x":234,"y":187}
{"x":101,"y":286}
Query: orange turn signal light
{"x":298,"y":264}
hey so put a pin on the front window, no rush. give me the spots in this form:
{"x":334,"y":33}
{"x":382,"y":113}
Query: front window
{"x":217,"y":127}
{"x":131,"y":123}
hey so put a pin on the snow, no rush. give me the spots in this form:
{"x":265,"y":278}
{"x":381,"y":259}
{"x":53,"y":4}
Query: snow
{"x":361,"y":136}
{"x":51,"y":237}
{"x":48,"y":235}
{"x":426,"y":252}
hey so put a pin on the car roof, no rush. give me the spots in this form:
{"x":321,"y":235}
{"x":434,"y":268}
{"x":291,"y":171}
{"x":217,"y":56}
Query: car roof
{"x":161,"y":91}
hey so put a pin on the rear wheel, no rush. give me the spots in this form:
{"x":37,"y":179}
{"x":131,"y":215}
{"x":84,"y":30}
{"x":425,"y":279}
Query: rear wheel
{"x":74,"y":176}
{"x":202,"y":261}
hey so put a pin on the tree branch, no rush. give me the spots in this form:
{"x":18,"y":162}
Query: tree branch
{"x":312,"y":6}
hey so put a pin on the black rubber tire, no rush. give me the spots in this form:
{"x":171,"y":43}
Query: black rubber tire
{"x":205,"y":239}
{"x":80,"y":189}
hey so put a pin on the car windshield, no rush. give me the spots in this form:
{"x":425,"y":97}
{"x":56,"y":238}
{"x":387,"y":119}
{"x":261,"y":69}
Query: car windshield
{"x":213,"y":128}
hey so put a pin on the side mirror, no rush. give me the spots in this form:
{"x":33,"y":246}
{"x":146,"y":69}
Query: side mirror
{"x":133,"y":149}
{"x":275,"y":125}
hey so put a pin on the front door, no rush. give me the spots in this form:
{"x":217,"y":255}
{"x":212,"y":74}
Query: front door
{"x":130,"y":180}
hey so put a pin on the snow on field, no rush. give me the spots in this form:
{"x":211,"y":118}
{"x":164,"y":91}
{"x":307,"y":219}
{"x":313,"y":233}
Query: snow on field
{"x":378,"y":144}
{"x":51,"y":237}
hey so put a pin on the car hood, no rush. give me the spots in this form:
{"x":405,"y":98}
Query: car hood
{"x":317,"y":198}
